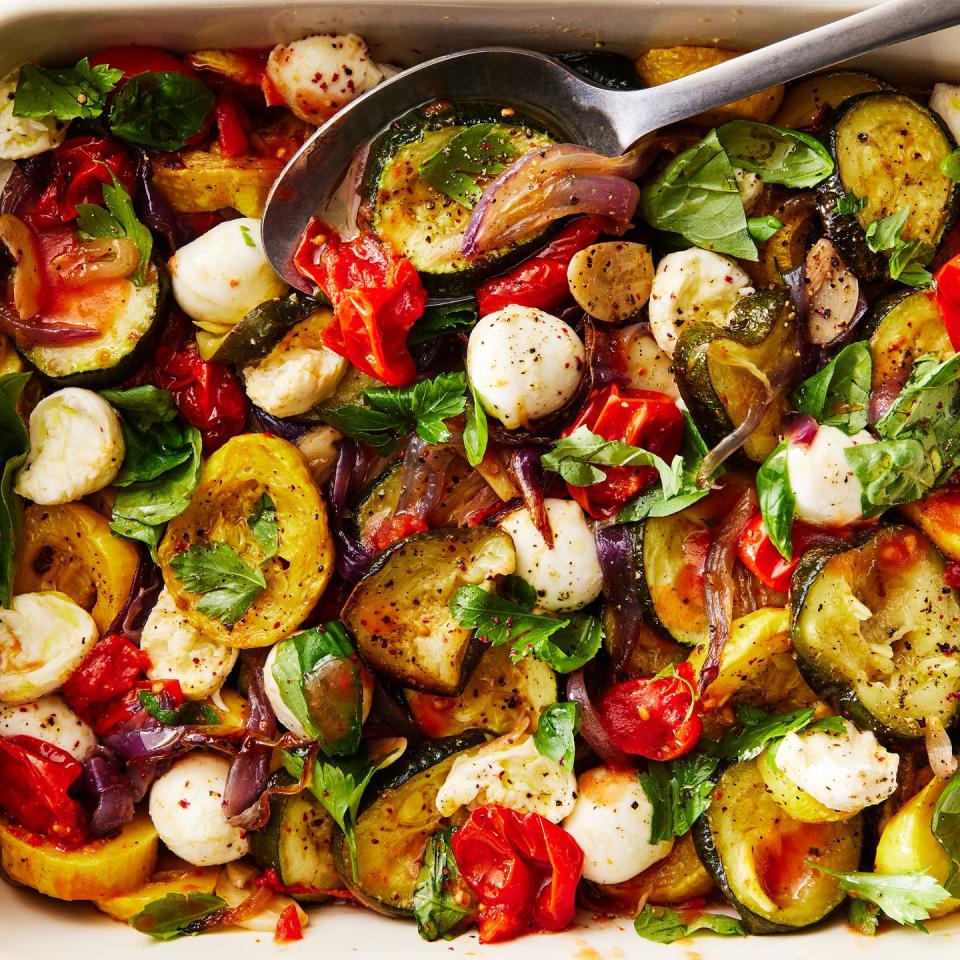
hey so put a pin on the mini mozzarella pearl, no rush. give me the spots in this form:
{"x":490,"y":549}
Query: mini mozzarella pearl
{"x":611,"y":823}
{"x":826,"y":490}
{"x":568,"y":576}
{"x":22,"y":137}
{"x":524,"y":364}
{"x":272,"y":689}
{"x":50,"y":719}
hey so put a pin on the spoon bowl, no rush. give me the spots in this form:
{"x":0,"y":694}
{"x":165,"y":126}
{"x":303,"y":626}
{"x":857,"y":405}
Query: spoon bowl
{"x":608,"y":121}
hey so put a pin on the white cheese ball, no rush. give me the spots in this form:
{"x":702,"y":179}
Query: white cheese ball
{"x":826,"y":489}
{"x":510,"y":772}
{"x":49,"y":718}
{"x":692,"y":285}
{"x":568,"y":576}
{"x":43,"y":639}
{"x":22,"y":137}
{"x":524,"y":364}
{"x":318,"y":75}
{"x":223,"y":274}
{"x":178,"y":651}
{"x":945,"y":100}
{"x":611,"y":823}
{"x":846,"y":772}
{"x":272,"y":689}
{"x":76,"y":447}
{"x":186,"y":811}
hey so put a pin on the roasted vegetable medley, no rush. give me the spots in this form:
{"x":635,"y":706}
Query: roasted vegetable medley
{"x":590,"y":537}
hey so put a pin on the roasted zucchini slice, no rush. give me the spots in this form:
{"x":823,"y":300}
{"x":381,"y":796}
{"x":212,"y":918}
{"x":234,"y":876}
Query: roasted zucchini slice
{"x":400,"y":611}
{"x":422,"y":223}
{"x":723,"y":371}
{"x":497,"y":695}
{"x":398,"y":818}
{"x":129,"y":319}
{"x":888,"y":150}
{"x":70,"y":548}
{"x":233,"y":479}
{"x":755,"y":852}
{"x":877,"y":632}
{"x":296,"y":843}
{"x":807,"y":100}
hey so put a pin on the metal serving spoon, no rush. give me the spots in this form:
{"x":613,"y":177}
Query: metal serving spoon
{"x":606,"y":120}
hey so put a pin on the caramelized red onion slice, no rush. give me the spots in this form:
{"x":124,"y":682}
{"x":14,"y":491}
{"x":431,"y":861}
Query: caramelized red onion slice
{"x":616,"y":555}
{"x":523,"y":465}
{"x":732,"y":442}
{"x":939,"y":749}
{"x":834,"y":299}
{"x":718,"y":582}
{"x":548,"y":183}
{"x":28,"y":284}
{"x":105,"y":259}
{"x":353,"y":558}
{"x":110,"y":794}
{"x":146,"y":587}
{"x":591,"y":727}
{"x":801,"y":429}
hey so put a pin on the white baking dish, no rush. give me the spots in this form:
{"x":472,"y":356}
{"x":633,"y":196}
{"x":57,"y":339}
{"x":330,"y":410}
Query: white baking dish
{"x":36,"y":928}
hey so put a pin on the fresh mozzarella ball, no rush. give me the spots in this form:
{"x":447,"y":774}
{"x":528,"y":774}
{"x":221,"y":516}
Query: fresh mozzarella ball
{"x":846,"y":772}
{"x":76,"y":447}
{"x":223,"y":274}
{"x":296,"y":374}
{"x":318,"y":75}
{"x":510,"y":772}
{"x":566,"y":576}
{"x":826,"y":489}
{"x":648,"y":367}
{"x":50,"y":719}
{"x":692,"y":285}
{"x":524,"y":364}
{"x":945,"y":100}
{"x":22,"y":137}
{"x":178,"y":651}
{"x":750,"y":186}
{"x":185,"y":806}
{"x":611,"y":822}
{"x":272,"y":689}
{"x":43,"y":639}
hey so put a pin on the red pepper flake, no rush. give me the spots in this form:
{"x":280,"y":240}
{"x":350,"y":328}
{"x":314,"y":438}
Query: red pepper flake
{"x":951,"y":576}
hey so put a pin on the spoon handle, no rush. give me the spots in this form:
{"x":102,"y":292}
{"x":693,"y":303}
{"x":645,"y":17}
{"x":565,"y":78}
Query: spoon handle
{"x":880,"y":26}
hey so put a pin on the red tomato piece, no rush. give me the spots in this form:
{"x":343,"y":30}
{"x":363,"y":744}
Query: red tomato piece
{"x":135,"y":58}
{"x":288,"y":926}
{"x":111,"y":669}
{"x":232,"y":124}
{"x":947,"y":294}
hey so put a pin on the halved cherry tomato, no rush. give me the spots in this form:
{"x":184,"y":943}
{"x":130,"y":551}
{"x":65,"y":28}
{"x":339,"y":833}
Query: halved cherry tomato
{"x":523,"y":869}
{"x":107,"y":716}
{"x":643,"y":418}
{"x":654,"y":717}
{"x":946,"y":292}
{"x":110,"y":670}
{"x":288,"y":926}
{"x":34,"y":779}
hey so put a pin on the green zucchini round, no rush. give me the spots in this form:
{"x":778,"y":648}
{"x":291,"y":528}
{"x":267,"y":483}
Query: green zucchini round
{"x":755,"y":853}
{"x":887,"y":150}
{"x":876,"y":632}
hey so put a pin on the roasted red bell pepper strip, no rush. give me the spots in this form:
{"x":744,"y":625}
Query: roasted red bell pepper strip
{"x":643,"y":418}
{"x":540,"y":281}
{"x":110,"y":670}
{"x":523,"y":869}
{"x":376,"y":294}
{"x":107,"y":716}
{"x":654,"y":717}
{"x":81,"y":166}
{"x":232,"y":123}
{"x":951,"y":576}
{"x":288,"y":927}
{"x":35,"y":777}
{"x":947,"y":294}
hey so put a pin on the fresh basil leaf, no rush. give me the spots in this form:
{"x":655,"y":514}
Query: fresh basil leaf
{"x":263,"y":525}
{"x":191,"y":713}
{"x":884,"y":234}
{"x":755,"y":729}
{"x":160,"y":111}
{"x":863,"y":917}
{"x":319,"y":681}
{"x":891,"y":472}
{"x":176,"y":915}
{"x":697,"y":197}
{"x":906,"y":898}
{"x":96,"y":223}
{"x":438,"y":321}
{"x":945,"y":826}
{"x":142,"y":406}
{"x":763,"y":228}
{"x":789,"y":157}
{"x":927,"y":404}
{"x":679,"y":791}
{"x":557,"y":731}
{"x":839,"y":394}
{"x":339,"y":785}
{"x":477,"y":151}
{"x":570,"y":648}
{"x":14,"y":446}
{"x":499,"y":621}
{"x":475,"y":433}
{"x":850,"y":203}
{"x":390,"y":413}
{"x":228,"y":584}
{"x":76,"y":93}
{"x":443,"y":904}
{"x":908,"y":263}
{"x":663,"y":925}
{"x":950,"y":166}
{"x":777,"y":502}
